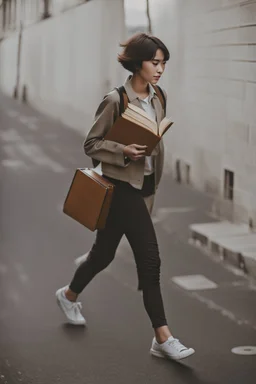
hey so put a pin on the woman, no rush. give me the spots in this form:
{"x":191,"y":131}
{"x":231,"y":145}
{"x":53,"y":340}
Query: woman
{"x":136,"y":178}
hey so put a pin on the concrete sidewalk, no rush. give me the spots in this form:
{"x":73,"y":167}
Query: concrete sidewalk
{"x":232,"y":243}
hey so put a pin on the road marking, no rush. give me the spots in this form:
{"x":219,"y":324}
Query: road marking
{"x":10,"y":135}
{"x":210,"y":304}
{"x":13,"y":163}
{"x":246,"y":350}
{"x":194,"y":282}
{"x":223,"y":311}
{"x":163,"y":213}
{"x":37,"y":156}
{"x":29,"y":121}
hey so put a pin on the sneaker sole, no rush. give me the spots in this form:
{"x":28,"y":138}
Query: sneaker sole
{"x":163,"y":356}
{"x":69,"y":321}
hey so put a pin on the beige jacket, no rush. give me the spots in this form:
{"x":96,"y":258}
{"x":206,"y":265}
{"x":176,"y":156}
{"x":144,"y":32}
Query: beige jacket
{"x":110,"y":153}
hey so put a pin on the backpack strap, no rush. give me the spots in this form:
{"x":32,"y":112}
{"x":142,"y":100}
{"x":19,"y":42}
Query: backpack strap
{"x":123,"y":99}
{"x":161,"y":96}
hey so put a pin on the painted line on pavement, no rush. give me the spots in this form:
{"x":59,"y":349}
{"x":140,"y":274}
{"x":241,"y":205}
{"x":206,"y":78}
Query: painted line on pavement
{"x":210,"y":304}
{"x":164,"y":212}
{"x":194,"y":282}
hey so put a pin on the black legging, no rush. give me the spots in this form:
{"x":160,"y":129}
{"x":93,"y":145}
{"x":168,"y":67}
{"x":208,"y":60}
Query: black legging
{"x":128,"y":216}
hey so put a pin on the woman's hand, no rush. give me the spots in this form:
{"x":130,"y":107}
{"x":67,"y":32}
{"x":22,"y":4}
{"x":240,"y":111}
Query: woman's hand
{"x":135,"y":151}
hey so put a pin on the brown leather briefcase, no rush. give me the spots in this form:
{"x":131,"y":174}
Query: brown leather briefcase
{"x":89,"y":198}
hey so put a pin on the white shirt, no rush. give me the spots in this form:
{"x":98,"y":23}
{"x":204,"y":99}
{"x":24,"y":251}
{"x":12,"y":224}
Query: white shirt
{"x":148,"y":107}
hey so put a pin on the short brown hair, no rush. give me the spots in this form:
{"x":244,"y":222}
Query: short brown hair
{"x":138,"y":48}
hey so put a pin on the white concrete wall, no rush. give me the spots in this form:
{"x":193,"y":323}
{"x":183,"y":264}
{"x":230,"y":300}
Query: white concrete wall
{"x":8,"y":64}
{"x":68,"y":62}
{"x":30,"y":12}
{"x":58,"y":6}
{"x":211,"y":82}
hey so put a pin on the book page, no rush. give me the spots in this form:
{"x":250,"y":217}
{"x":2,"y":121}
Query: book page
{"x":140,"y":119}
{"x":146,"y":126}
{"x":165,"y":124}
{"x":140,"y":112}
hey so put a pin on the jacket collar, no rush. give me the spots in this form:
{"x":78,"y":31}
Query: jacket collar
{"x":134,"y":98}
{"x":132,"y":95}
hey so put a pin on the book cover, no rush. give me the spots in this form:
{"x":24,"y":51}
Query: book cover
{"x":136,"y":127}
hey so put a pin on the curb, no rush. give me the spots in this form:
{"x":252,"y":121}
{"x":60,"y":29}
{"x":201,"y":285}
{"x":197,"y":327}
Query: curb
{"x":234,"y":244}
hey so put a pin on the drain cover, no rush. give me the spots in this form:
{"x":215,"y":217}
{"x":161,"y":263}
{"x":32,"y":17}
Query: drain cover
{"x":246,"y":350}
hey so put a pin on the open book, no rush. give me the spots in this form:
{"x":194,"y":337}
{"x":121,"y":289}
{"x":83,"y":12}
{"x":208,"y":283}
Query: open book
{"x":136,"y":127}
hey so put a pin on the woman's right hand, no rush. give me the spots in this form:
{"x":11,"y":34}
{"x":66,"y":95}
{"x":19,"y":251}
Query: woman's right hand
{"x":135,"y":151}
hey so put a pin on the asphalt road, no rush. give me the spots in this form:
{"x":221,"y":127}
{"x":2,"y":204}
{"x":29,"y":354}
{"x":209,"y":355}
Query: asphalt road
{"x":39,"y":245}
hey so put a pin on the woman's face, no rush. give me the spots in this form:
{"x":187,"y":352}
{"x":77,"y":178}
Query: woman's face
{"x":152,"y":70}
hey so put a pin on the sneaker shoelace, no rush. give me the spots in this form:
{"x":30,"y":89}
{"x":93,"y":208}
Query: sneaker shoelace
{"x":175,"y":343}
{"x":77,"y":306}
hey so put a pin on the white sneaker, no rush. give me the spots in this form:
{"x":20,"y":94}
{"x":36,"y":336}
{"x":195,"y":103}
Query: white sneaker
{"x":170,"y":349}
{"x":79,"y":260}
{"x":71,"y":309}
